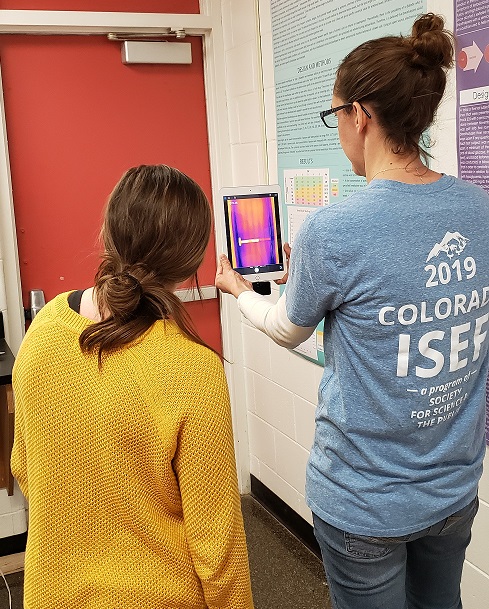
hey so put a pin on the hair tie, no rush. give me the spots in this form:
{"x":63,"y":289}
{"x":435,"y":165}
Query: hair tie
{"x":131,"y":276}
{"x":136,"y":283}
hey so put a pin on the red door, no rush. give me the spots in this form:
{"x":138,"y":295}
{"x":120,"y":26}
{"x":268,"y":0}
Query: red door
{"x":77,"y":118}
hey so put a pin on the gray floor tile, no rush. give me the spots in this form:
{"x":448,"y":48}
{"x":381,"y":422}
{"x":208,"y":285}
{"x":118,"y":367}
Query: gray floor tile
{"x":284,"y":573}
{"x":16,"y":585}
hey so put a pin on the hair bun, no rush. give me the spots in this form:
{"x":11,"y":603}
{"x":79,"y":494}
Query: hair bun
{"x":123,"y":293}
{"x":432,"y":44}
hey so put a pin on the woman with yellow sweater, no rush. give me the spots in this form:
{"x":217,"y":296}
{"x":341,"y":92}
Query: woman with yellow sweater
{"x":123,"y":438}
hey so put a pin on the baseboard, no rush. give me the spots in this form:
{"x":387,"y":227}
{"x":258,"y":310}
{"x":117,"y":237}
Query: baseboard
{"x":285,"y":514}
{"x":13,"y":545}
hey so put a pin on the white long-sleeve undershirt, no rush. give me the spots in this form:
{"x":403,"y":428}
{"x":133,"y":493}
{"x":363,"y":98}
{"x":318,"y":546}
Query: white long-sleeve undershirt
{"x":272,"y":319}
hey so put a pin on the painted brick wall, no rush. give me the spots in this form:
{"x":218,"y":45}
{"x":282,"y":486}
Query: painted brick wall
{"x":12,"y":513}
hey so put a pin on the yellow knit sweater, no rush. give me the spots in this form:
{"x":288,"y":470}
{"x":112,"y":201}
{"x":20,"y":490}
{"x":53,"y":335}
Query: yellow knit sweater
{"x":129,"y":472}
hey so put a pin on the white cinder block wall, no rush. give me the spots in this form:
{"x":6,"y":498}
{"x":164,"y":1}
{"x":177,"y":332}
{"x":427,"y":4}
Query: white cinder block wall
{"x":281,"y":387}
{"x":12,"y":513}
{"x":475,"y":580}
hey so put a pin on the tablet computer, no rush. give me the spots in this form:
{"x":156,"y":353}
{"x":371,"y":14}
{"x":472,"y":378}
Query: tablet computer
{"x":254,"y":240}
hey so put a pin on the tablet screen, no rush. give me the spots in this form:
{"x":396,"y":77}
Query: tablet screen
{"x":253,"y":233}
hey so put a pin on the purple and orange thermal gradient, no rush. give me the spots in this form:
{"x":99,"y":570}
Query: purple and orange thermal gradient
{"x":252,"y":226}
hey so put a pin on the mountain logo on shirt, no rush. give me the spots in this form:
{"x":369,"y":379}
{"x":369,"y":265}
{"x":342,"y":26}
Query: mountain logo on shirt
{"x":452,"y":244}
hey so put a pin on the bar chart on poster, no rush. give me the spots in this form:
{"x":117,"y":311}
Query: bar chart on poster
{"x":310,"y":39}
{"x":472,"y":81}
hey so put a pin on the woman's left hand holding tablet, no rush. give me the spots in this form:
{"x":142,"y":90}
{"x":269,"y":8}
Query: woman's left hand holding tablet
{"x":228,"y":280}
{"x":287,"y":251}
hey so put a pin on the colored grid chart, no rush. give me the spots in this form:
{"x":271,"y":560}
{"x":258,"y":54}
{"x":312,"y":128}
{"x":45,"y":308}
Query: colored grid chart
{"x":306,"y":187}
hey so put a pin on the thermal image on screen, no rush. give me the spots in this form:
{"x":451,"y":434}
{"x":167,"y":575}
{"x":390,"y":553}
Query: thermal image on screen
{"x":253,"y":237}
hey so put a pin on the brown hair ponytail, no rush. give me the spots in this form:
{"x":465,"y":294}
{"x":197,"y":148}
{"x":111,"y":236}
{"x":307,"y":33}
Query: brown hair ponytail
{"x":403,"y":78}
{"x":156,"y":230}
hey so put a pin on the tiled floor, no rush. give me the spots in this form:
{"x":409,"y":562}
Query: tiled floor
{"x":284,"y":573}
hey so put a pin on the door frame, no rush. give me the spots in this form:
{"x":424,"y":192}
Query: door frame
{"x":208,"y":25}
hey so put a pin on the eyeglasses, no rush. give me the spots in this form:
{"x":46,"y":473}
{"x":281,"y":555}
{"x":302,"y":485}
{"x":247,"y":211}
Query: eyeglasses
{"x":330,"y":119}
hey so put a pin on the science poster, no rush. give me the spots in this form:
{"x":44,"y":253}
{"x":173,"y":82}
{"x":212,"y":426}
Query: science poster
{"x":472,"y":78}
{"x":310,"y":38}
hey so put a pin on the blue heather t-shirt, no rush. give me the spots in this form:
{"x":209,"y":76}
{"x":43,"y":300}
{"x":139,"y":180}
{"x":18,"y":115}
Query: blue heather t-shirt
{"x":400,"y":274}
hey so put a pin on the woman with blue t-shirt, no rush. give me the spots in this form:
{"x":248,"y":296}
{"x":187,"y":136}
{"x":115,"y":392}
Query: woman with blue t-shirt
{"x":399,"y":271}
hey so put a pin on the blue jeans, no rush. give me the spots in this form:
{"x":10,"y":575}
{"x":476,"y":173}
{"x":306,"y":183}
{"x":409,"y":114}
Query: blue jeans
{"x":418,"y":571}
